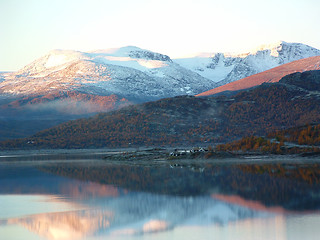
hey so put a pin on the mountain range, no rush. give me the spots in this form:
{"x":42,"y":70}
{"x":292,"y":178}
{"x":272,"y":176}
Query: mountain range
{"x":65,"y":85}
{"x":224,"y":68}
{"x":139,"y":75}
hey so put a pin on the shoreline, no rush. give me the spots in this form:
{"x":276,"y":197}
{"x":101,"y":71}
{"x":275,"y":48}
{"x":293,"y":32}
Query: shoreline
{"x":148,"y":155}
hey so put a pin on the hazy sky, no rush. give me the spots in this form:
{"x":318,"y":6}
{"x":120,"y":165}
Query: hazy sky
{"x":31,"y":28}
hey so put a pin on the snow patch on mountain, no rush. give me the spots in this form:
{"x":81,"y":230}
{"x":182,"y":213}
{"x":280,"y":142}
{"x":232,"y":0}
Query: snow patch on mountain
{"x":55,"y":60}
{"x":52,"y":62}
{"x":202,"y":65}
{"x":132,"y":57}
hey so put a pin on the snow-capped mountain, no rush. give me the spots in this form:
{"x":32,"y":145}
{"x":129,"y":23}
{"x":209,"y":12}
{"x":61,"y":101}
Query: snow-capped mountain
{"x":129,"y":72}
{"x":224,"y":68}
{"x":138,"y":74}
{"x":65,"y":85}
{"x":270,"y":76}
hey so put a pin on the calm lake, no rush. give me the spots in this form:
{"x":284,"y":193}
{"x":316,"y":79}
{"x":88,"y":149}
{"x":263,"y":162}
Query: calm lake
{"x":86,"y":197}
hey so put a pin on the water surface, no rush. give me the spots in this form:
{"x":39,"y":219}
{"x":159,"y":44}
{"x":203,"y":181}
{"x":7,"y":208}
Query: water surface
{"x":85,"y":197}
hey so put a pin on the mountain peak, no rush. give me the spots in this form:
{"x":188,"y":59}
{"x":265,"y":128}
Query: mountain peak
{"x":53,"y":61}
{"x":279,"y":48}
{"x":269,"y":46}
{"x":132,"y":52}
{"x":119,"y":52}
{"x":59,"y":57}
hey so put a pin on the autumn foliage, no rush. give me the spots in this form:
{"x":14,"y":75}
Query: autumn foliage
{"x":294,"y":140}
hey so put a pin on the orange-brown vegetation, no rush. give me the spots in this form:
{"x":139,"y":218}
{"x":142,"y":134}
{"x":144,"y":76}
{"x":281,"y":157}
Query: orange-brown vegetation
{"x":307,"y":135}
{"x":294,"y":140}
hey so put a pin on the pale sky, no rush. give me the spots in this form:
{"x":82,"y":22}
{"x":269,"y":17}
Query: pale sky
{"x":31,"y":28}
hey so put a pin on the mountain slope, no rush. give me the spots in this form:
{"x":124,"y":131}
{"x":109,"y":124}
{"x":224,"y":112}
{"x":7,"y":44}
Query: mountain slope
{"x":271,"y":76}
{"x":128,"y":72}
{"x":224,"y":68}
{"x":186,"y":120}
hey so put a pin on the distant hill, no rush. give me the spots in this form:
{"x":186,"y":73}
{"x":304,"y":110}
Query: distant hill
{"x":269,"y":76}
{"x":185,"y":120}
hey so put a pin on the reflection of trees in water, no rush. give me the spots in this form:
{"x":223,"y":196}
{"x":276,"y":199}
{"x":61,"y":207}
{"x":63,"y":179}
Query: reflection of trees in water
{"x":287,"y":185}
{"x":29,"y":180}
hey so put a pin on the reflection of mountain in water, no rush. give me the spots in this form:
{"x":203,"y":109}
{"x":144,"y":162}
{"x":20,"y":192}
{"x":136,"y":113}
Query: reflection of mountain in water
{"x":158,"y":198}
{"x":290,"y":186}
{"x":65,"y":226}
{"x":135,"y":214}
